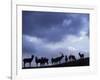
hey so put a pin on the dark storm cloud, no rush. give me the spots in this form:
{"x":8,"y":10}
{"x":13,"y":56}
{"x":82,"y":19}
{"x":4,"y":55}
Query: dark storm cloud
{"x":52,"y":26}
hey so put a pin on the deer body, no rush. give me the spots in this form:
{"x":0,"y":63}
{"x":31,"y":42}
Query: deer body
{"x":41,"y":60}
{"x":57,"y":59}
{"x":72,"y":58}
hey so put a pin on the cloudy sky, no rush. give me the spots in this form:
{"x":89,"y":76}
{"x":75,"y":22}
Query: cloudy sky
{"x":48,"y":33}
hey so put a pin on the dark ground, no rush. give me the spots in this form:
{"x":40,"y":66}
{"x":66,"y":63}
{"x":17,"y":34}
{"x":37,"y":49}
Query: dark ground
{"x":80,"y":62}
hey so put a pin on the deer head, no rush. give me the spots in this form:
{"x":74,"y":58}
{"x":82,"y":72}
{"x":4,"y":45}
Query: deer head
{"x":61,"y":54}
{"x":32,"y":56}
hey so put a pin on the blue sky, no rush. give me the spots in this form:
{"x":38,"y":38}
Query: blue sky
{"x":48,"y":33}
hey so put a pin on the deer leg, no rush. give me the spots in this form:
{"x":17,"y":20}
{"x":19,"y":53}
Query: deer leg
{"x":37,"y":64}
{"x":59,"y":62}
{"x":47,"y":62}
{"x":30,"y":64}
{"x":24,"y":64}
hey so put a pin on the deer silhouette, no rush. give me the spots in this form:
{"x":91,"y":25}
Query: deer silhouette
{"x":66,"y":58}
{"x":57,"y":59}
{"x":41,"y":60}
{"x":28,"y":60}
{"x":45,"y":60}
{"x":72,"y":58}
{"x":81,"y":55}
{"x":37,"y":60}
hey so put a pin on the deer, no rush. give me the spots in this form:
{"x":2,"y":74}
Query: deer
{"x":37,"y":60}
{"x":45,"y":60}
{"x":57,"y":59}
{"x":81,"y":55}
{"x":41,"y":60}
{"x":28,"y":60}
{"x":72,"y":58}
